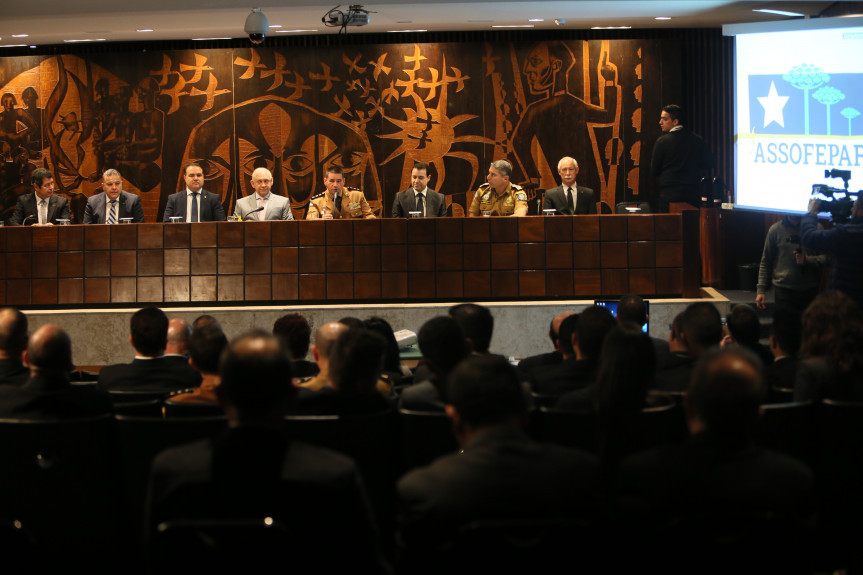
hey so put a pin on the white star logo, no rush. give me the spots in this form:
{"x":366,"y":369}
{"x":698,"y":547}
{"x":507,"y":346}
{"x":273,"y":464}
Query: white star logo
{"x":773,"y":104}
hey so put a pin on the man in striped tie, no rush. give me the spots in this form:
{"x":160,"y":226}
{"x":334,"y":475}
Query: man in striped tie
{"x":113,"y":204}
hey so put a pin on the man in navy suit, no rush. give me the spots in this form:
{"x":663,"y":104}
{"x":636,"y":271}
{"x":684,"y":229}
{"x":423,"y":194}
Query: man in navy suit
{"x":569,"y":198}
{"x":419,"y":197}
{"x":113,"y":203}
{"x":194,"y":204}
{"x":42,"y":207}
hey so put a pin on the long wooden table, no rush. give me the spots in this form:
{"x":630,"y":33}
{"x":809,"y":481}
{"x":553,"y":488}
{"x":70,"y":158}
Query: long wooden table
{"x":532,"y":257}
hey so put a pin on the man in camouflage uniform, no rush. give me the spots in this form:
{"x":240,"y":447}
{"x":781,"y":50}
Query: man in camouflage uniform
{"x":338,"y":202}
{"x":499,"y":197}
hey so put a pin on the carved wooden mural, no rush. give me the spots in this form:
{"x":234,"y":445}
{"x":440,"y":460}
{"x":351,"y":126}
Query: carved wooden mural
{"x":374,"y":110}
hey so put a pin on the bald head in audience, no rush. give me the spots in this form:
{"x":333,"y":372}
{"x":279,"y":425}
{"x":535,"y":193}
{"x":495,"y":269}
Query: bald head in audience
{"x":49,"y":352}
{"x":13,"y":333}
{"x":325,"y":338}
{"x":179,"y":332}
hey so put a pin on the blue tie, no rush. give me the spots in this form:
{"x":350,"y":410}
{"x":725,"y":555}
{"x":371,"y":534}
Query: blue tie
{"x":194,"y":206}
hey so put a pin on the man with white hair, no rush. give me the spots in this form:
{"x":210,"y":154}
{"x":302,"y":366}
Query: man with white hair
{"x":569,"y":198}
{"x":263,"y":204}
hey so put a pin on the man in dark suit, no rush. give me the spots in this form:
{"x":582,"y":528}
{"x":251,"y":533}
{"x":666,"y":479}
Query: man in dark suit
{"x":256,"y":470}
{"x":720,"y":477}
{"x":42,"y":207}
{"x":13,"y":342}
{"x":48,"y":393}
{"x":419,"y":197}
{"x":528,"y":364}
{"x":113,"y":203}
{"x":443,"y":346}
{"x":694,"y":331}
{"x":150,"y":370}
{"x":569,"y":198}
{"x":500,"y":473}
{"x":194,"y":204}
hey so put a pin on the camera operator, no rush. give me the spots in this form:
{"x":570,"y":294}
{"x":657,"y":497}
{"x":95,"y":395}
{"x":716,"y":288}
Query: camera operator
{"x":844,"y":242}
{"x":796,"y":272}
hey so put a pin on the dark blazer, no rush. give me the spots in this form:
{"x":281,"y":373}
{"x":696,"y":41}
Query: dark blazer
{"x":50,"y":398}
{"x":58,"y":208}
{"x":160,"y":374}
{"x":13,"y":372}
{"x":129,"y":207}
{"x":568,"y":375}
{"x":404,"y":203}
{"x":423,"y":396}
{"x":555,"y":198}
{"x":501,"y":474}
{"x":211,"y":207}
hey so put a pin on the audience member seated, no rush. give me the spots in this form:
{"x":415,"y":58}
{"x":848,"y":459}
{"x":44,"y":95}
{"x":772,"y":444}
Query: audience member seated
{"x":528,"y":364}
{"x":392,"y":372}
{"x":631,"y":308}
{"x":13,"y":342}
{"x":697,"y":329}
{"x":149,"y":371}
{"x":254,"y":470}
{"x":294,"y":334}
{"x":203,"y":320}
{"x":744,"y":329}
{"x":477,"y":324}
{"x":355,"y":366}
{"x":443,"y":346}
{"x":48,"y":394}
{"x":623,"y":385}
{"x":177,"y":347}
{"x":781,"y":373}
{"x":205,"y":349}
{"x":325,"y":339}
{"x":500,"y":473}
{"x":586,"y":332}
{"x":831,"y":350}
{"x":719,"y":476}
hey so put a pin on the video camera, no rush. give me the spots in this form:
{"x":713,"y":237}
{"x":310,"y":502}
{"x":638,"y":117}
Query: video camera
{"x":835,"y":201}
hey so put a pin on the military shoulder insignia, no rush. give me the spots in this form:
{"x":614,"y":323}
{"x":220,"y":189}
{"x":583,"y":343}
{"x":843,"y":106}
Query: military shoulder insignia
{"x":521,"y":196}
{"x":484,"y":186}
{"x":353,"y":189}
{"x":321,"y":195}
{"x":516,"y":187}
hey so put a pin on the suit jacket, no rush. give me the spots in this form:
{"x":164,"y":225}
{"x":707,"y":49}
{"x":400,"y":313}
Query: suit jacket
{"x":405,"y":203}
{"x":501,"y":474}
{"x":585,"y":201}
{"x":52,"y":398}
{"x":129,"y":206}
{"x":250,"y":472}
{"x":278,"y":208}
{"x":211,"y":207}
{"x":58,"y":208}
{"x":568,"y":375}
{"x":166,"y":374}
{"x":423,"y":396}
{"x":13,"y":372}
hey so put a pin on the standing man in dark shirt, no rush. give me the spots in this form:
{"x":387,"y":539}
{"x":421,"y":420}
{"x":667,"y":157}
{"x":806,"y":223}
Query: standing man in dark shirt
{"x":678,"y":157}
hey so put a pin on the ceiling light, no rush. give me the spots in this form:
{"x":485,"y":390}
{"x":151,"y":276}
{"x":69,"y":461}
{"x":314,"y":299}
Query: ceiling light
{"x":20,"y":35}
{"x":780,"y":12}
{"x":75,"y":40}
{"x":536,"y":20}
{"x":13,"y":45}
{"x":663,"y":18}
{"x":292,"y":31}
{"x":201,"y":39}
{"x":611,"y":27}
{"x":513,"y":26}
{"x":397,"y":31}
{"x":275,"y":25}
{"x":144,"y":30}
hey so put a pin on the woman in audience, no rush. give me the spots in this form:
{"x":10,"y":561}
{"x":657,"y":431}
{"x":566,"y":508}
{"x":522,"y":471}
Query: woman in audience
{"x":832,"y":350}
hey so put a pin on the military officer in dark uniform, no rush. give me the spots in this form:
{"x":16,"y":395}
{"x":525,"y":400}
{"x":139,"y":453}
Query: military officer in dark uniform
{"x":338,"y":202}
{"x":499,"y":197}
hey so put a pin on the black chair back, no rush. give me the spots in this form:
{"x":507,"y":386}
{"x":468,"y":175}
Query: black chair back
{"x":426,"y":435}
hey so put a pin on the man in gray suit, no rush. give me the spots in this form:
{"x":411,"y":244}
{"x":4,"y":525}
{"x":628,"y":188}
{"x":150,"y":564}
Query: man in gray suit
{"x":419,"y":197}
{"x":263,"y":204}
{"x":569,"y":198}
{"x":113,"y":203}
